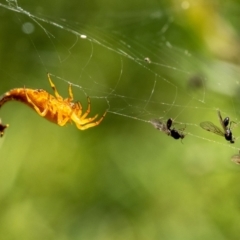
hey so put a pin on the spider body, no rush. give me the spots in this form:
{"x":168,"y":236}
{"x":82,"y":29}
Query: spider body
{"x":53,"y":108}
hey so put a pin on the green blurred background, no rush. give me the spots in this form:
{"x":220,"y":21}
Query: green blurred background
{"x":122,"y":179}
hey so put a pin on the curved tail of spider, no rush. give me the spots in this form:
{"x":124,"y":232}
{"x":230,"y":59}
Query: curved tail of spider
{"x":14,"y":94}
{"x":3,"y":99}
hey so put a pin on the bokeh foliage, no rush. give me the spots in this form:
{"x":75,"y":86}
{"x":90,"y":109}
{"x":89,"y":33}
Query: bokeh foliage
{"x":122,"y":179}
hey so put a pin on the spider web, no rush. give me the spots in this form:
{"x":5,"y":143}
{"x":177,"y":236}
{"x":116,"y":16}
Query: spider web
{"x":136,"y":71}
{"x":122,"y":179}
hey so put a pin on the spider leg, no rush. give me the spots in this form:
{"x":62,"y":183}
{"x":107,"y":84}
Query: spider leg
{"x":54,"y":88}
{"x":70,"y":99}
{"x":93,"y":124}
{"x":76,"y":112}
{"x":81,"y":121}
{"x":43,"y":113}
{"x":78,"y":109}
{"x":88,"y":109}
{"x":62,"y":120}
{"x":87,"y":120}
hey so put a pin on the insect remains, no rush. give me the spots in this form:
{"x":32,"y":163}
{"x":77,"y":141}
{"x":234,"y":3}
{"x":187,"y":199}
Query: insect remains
{"x":166,"y":128}
{"x":236,"y":158}
{"x":147,"y":59}
{"x":53,"y":108}
{"x":226,"y":132}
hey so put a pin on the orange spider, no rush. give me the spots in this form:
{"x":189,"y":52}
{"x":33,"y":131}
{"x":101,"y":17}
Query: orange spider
{"x":55,"y":109}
